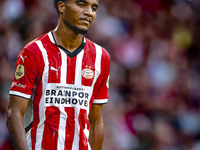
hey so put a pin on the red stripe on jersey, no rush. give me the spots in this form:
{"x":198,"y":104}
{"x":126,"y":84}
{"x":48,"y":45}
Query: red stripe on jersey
{"x":83,"y":144}
{"x":50,"y":134}
{"x":89,"y":57}
{"x":70,"y":127}
{"x":71,"y":67}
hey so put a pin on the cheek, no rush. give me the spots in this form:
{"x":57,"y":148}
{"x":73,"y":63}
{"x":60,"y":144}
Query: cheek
{"x":73,"y":17}
{"x":94,"y":17}
{"x":69,"y":18}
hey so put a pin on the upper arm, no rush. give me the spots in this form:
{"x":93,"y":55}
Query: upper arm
{"x":17,"y":105}
{"x":95,"y":114}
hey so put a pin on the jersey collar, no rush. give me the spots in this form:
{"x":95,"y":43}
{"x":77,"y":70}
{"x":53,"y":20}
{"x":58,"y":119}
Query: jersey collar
{"x":74,"y":53}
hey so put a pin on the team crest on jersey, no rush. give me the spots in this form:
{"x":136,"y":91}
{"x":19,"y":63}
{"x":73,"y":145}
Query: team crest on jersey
{"x":19,"y":73}
{"x":87,"y":73}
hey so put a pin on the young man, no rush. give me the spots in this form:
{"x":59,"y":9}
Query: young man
{"x":65,"y":76}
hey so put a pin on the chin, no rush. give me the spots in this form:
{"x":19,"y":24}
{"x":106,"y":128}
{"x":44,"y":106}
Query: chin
{"x":79,"y":30}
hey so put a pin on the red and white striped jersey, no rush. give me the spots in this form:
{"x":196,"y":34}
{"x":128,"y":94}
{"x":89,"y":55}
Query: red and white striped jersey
{"x":63,"y":87}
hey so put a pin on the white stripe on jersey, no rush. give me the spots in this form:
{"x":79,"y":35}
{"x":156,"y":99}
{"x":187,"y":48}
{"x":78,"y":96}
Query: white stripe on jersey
{"x":63,"y":114}
{"x":75,"y":145}
{"x":61,"y":130}
{"x":78,"y":76}
{"x":84,"y":40}
{"x":97,"y":63}
{"x":51,"y":37}
{"x":40,"y":128}
{"x":100,"y":101}
{"x":63,"y":67}
{"x":20,"y":94}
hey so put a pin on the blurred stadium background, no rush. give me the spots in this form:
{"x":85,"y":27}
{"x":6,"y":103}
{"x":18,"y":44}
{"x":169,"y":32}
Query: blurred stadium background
{"x":155,"y":71}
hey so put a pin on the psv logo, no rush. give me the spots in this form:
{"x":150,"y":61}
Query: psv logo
{"x":87,"y":73}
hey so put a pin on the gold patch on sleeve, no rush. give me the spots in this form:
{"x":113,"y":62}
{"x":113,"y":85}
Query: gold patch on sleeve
{"x":19,"y":73}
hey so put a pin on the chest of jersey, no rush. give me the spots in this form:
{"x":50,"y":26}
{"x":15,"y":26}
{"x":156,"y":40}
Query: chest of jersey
{"x":78,"y":70}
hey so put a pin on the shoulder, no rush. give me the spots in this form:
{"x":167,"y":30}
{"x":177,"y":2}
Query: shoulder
{"x":32,"y":51}
{"x":104,"y":53}
{"x":32,"y":46}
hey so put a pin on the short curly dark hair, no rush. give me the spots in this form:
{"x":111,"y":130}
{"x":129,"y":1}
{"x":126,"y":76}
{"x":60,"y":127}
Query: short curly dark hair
{"x":56,"y":4}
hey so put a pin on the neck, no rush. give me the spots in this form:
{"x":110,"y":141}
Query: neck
{"x":67,"y":38}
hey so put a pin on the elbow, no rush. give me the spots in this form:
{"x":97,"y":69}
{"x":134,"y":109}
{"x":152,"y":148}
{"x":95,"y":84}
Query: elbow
{"x":97,"y":121}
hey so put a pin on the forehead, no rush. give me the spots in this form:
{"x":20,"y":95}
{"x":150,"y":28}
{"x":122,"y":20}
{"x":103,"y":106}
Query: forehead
{"x":86,"y":1}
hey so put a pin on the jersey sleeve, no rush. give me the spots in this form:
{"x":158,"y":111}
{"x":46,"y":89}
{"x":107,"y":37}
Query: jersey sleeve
{"x":102,"y":85}
{"x":26,"y":69}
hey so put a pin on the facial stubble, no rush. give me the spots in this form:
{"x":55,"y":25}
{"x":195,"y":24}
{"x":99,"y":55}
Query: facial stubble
{"x":76,"y":29}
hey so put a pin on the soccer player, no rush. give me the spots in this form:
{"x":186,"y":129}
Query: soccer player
{"x":61,"y":81}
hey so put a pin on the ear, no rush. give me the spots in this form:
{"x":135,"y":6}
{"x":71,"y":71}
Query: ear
{"x":61,"y":7}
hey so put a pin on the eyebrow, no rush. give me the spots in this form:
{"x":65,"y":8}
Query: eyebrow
{"x":81,"y":1}
{"x":84,"y":1}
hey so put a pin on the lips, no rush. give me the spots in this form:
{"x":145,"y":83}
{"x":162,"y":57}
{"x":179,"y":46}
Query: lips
{"x":86,"y":20}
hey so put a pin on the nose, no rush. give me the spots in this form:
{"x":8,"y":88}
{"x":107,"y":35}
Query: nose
{"x":88,"y":11}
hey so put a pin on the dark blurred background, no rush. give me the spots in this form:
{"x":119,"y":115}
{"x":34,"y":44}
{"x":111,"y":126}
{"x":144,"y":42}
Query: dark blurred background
{"x":154,"y":45}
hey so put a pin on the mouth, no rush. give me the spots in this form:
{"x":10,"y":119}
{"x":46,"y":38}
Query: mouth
{"x":86,"y":21}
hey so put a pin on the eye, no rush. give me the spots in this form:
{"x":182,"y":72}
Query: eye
{"x":94,"y":9}
{"x":81,"y":4}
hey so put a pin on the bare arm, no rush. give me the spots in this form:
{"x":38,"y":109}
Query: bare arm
{"x":16,"y":109}
{"x":96,"y":127}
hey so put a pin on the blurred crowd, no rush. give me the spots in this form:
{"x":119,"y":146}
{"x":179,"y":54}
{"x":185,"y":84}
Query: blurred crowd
{"x":154,"y":46}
